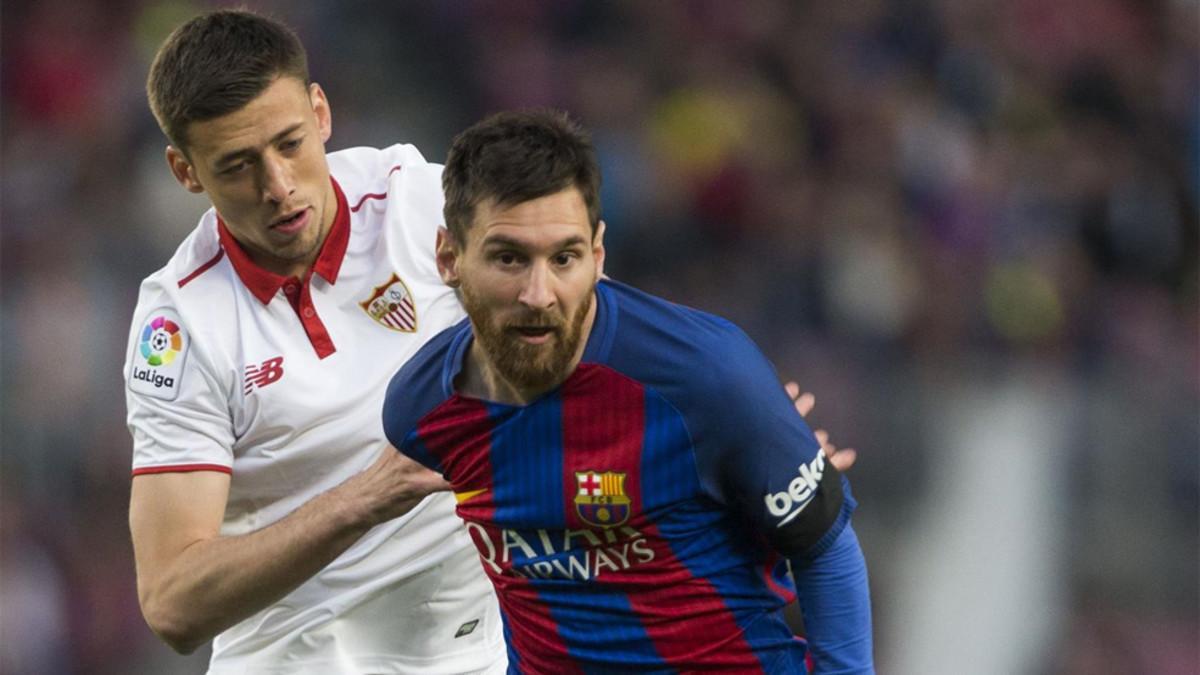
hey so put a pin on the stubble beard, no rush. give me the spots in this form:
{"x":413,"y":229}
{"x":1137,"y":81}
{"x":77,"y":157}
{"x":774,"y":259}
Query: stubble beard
{"x":528,"y":366}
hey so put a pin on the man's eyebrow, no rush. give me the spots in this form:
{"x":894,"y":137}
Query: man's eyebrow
{"x":241,"y":152}
{"x":505,"y":240}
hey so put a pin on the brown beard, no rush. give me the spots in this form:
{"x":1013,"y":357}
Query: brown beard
{"x":528,"y":367}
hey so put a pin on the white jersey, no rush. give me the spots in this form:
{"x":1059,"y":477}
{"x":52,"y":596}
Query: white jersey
{"x":280,"y":383}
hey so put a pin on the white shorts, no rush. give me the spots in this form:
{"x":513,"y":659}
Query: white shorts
{"x":442,"y":620}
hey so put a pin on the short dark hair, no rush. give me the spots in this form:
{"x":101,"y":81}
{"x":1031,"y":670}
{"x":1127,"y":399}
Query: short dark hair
{"x":516,"y":156}
{"x":215,"y":64}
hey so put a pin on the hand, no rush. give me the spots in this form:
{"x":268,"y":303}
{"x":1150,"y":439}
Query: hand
{"x":842,"y":459}
{"x":394,"y":484}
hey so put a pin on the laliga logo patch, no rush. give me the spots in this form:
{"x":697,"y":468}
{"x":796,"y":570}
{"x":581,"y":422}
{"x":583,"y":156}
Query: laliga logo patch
{"x":392,"y":306}
{"x":159,"y":355}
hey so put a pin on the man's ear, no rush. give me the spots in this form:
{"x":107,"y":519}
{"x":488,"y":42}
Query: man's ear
{"x":598,"y":249}
{"x":320,"y":106}
{"x":447,"y":257}
{"x":183,"y":170}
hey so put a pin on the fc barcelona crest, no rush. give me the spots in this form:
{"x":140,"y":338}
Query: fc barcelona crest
{"x":601,"y":500}
{"x":392,"y":305}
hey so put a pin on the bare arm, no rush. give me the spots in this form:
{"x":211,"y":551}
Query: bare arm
{"x":194,"y":583}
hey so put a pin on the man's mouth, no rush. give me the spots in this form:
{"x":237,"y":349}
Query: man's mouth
{"x":292,"y":223}
{"x":534,"y":335}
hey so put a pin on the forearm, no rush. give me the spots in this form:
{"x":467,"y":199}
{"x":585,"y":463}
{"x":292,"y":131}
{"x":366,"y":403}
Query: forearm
{"x":214,"y":583}
{"x":835,"y":600}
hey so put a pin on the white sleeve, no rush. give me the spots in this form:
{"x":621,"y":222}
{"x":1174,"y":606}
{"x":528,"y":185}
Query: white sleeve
{"x":178,"y":410}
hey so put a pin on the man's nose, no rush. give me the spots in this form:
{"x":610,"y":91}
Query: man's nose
{"x":537,"y":293}
{"x":277,"y":180}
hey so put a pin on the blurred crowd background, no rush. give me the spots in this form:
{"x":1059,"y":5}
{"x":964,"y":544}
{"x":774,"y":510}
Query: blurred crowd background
{"x":970,"y":227}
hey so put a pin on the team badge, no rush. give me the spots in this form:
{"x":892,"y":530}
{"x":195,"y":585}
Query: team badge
{"x":159,"y":353}
{"x":392,"y":305}
{"x":601,"y":499}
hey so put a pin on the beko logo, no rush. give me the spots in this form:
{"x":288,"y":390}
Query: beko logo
{"x":799,"y":493}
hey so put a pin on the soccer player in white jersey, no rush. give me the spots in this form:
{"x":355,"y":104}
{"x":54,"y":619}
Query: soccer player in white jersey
{"x":267,"y":510}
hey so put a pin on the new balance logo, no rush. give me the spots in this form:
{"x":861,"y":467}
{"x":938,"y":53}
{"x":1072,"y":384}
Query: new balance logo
{"x":467,"y":628}
{"x":263,"y":374}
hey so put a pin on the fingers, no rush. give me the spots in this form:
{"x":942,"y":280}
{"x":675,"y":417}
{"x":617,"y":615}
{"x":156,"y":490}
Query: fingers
{"x":422,"y":480}
{"x":404,"y":477}
{"x":840,"y":459}
{"x":804,"y":402}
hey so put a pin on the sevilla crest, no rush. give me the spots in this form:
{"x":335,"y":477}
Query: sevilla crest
{"x":392,"y":306}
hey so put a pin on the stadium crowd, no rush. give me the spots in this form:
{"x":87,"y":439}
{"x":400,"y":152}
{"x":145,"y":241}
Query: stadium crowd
{"x":969,"y":227}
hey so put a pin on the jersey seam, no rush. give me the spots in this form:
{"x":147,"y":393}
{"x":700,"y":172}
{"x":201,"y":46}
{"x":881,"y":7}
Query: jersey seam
{"x":206,"y":266}
{"x":686,"y":428}
{"x":182,"y":468}
{"x":376,"y":195}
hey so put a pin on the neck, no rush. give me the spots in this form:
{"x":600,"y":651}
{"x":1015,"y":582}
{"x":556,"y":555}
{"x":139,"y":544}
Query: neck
{"x":285,"y":268}
{"x":481,"y":379}
{"x":300,"y":267}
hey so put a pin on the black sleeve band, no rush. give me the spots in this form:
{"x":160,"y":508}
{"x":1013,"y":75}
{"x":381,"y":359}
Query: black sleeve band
{"x":797,"y":536}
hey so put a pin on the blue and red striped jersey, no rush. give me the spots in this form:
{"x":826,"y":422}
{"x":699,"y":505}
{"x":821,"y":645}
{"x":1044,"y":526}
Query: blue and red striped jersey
{"x":639,"y":516}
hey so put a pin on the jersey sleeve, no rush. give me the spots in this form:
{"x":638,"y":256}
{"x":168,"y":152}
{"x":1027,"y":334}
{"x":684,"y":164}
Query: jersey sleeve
{"x":421,"y":384}
{"x":836,"y":601}
{"x":760,"y":456}
{"x":177,"y":412}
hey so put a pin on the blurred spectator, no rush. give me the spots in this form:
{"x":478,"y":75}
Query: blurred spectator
{"x":913,"y":205}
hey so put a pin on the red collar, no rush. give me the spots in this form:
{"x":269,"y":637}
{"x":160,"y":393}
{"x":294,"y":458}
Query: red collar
{"x":263,"y":284}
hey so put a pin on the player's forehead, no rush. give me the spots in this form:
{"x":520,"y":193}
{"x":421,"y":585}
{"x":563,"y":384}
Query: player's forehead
{"x":555,"y":219}
{"x":282,"y":105}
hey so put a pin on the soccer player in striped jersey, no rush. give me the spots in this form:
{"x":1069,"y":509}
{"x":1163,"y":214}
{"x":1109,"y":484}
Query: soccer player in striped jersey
{"x":632,"y":479}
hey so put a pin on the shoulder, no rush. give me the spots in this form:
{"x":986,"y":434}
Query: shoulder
{"x":187,"y":297}
{"x":196,"y":254}
{"x":363,"y":164}
{"x":423,"y":382}
{"x":663,"y":341}
{"x":189,"y":275}
{"x":366,"y":173}
{"x":395,"y":202}
{"x":704,"y":366}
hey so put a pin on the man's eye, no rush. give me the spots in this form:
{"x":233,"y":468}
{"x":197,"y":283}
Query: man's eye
{"x":564,"y":259}
{"x":289,"y":145}
{"x":234,"y":168}
{"x":506,"y":258}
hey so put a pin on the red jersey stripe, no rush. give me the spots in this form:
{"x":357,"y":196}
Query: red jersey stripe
{"x":605,"y":433}
{"x":181,"y":468}
{"x":375,"y":195}
{"x":457,"y":433}
{"x":769,"y":578}
{"x":203,"y":268}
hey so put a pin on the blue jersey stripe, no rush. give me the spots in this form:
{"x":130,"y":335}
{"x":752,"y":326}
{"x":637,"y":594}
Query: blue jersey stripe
{"x":414,"y":447}
{"x":711,"y":543}
{"x":668,"y":476}
{"x":514,"y":659}
{"x":527,"y":456}
{"x":618,"y":631}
